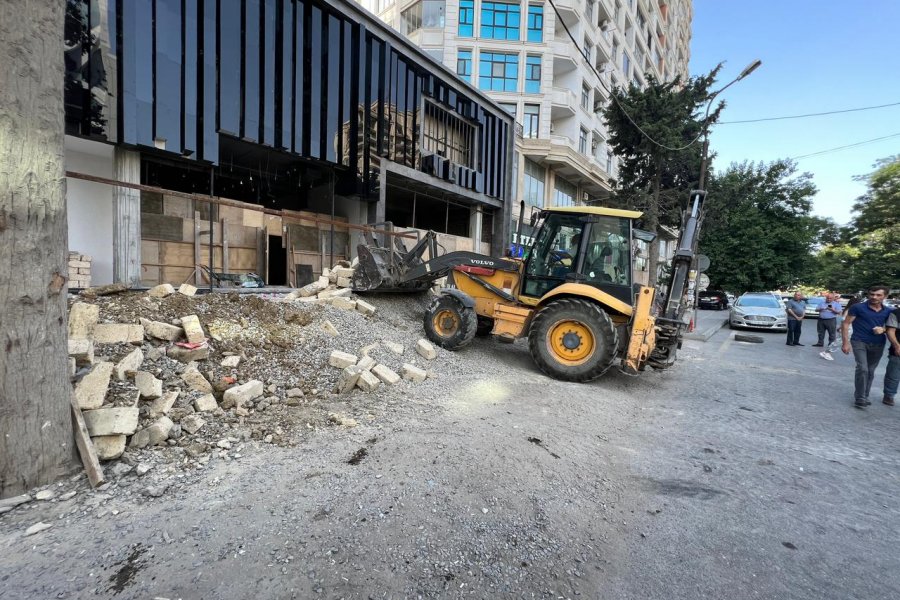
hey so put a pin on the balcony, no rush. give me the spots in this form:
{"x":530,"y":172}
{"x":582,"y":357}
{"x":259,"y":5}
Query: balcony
{"x":570,"y":11}
{"x":565,"y":56}
{"x":563,"y":103}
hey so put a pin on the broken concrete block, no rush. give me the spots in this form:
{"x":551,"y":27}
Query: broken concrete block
{"x":164,"y":404}
{"x":365,"y":308}
{"x":149,"y":387}
{"x":332,"y":276}
{"x":118,"y":333}
{"x":330,"y":329}
{"x":82,"y":350}
{"x":161,"y":291}
{"x":323,"y":281}
{"x":206,"y":403}
{"x":341,"y":359}
{"x":241,"y":394}
{"x":82,"y":320}
{"x":294,"y":393}
{"x":72,"y":367}
{"x":186,"y":289}
{"x":192,"y":423}
{"x":343,"y":282}
{"x":192,"y":329}
{"x":109,"y":447}
{"x":131,"y":362}
{"x":162,"y":331}
{"x":366,"y":363}
{"x":344,"y":303}
{"x":339,"y":419}
{"x":426,"y":350}
{"x":308,"y":290}
{"x":368,"y":382}
{"x":349,"y":377}
{"x":342,"y":273}
{"x":187,"y":355}
{"x":231,"y":361}
{"x":413,"y":373}
{"x":111,"y":421}
{"x":354,"y":262}
{"x":393,"y":347}
{"x":196,"y":381}
{"x":91,"y":390}
{"x":340,"y":293}
{"x":385,"y":374}
{"x":159,"y":431}
{"x":140,"y":439}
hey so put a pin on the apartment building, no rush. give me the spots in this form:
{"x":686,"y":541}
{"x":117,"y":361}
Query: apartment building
{"x":521,"y":53}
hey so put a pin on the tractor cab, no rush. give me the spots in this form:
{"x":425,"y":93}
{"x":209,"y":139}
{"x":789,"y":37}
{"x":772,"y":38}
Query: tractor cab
{"x":587,"y":245}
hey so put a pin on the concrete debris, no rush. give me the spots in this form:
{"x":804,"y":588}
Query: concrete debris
{"x":242,"y":394}
{"x":343,"y":282}
{"x":91,"y":390}
{"x":187,"y":355}
{"x":413,"y":373}
{"x":155,"y":491}
{"x":162,"y":331}
{"x":341,"y":359}
{"x":231,"y":361}
{"x":342,"y":273}
{"x":118,"y":333}
{"x":192,"y":423}
{"x":45,"y":495}
{"x":111,"y":421}
{"x":142,"y":469}
{"x":149,"y":387}
{"x":159,"y":431}
{"x":342,"y":293}
{"x":426,"y":350}
{"x":307,"y":291}
{"x":162,"y":406}
{"x":328,"y":328}
{"x":72,"y":367}
{"x":206,"y":403}
{"x":14,"y":501}
{"x":323,"y":281}
{"x":186,"y":289}
{"x":349,"y":378}
{"x":131,"y":362}
{"x":193,"y":331}
{"x":294,"y":393}
{"x":109,"y":447}
{"x":37,"y":528}
{"x":196,"y":381}
{"x":343,"y":303}
{"x":365,"y":308}
{"x":161,"y":291}
{"x":68,"y":495}
{"x":366,"y":363}
{"x":82,"y":350}
{"x":385,"y":374}
{"x":368,"y":382}
{"x":83,"y":318}
{"x":339,"y":419}
{"x":393,"y":347}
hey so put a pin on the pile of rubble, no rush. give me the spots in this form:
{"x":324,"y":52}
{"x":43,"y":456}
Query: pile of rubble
{"x":196,"y":373}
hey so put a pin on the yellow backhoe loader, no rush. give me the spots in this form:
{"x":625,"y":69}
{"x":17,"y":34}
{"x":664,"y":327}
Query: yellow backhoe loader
{"x":572,"y":293}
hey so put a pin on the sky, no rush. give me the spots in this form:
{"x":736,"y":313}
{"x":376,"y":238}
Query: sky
{"x":816,"y":57}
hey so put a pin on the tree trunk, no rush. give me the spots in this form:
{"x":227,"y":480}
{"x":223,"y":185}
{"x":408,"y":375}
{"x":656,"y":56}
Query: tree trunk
{"x":35,"y":421}
{"x":651,"y":220}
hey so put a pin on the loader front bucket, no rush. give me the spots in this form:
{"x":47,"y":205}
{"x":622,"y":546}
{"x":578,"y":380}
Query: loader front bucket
{"x":370,"y":273}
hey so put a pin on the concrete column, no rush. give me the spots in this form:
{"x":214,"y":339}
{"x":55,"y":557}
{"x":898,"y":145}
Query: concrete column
{"x":127,"y":219}
{"x":475,"y":217}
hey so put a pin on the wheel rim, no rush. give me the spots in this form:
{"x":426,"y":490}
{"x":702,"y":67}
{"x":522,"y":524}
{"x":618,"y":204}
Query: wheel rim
{"x":571,"y":342}
{"x":445,"y":322}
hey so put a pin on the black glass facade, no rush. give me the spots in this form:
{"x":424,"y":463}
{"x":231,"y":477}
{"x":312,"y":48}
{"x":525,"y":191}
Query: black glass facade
{"x":305,"y":77}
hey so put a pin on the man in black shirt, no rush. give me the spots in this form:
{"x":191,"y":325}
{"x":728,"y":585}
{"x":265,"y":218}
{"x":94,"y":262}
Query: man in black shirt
{"x":892,"y":374}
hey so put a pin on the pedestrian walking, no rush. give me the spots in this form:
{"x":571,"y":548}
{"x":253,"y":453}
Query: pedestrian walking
{"x":892,"y":374}
{"x":796,"y":310}
{"x":867,"y":342}
{"x":828,"y":316}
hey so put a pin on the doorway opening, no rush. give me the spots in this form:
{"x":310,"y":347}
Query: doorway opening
{"x":277,"y":274}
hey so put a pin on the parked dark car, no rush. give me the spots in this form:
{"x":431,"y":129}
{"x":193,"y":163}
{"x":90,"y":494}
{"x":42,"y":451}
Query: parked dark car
{"x":715,"y":299}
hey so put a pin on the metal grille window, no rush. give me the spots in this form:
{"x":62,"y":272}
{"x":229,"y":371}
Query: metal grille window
{"x":500,"y":21}
{"x":533,"y":75}
{"x":563,"y":193}
{"x":532,"y":121}
{"x":448,"y":135}
{"x":464,"y":65}
{"x":535,"y":23}
{"x":533,"y":185}
{"x":498,"y":72}
{"x":466,"y":18}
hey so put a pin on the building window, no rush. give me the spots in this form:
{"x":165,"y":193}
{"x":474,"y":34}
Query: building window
{"x":500,"y":21}
{"x":563,"y":193}
{"x":533,"y":184}
{"x":533,"y":75}
{"x":531,"y":124}
{"x":466,"y":18}
{"x":411,"y":19}
{"x":448,"y":135}
{"x":433,"y":14}
{"x":464,"y":65}
{"x":535,"y":23}
{"x":383,"y":4}
{"x":509,"y":107}
{"x":585,"y":97}
{"x":583,"y":141}
{"x":586,"y":49}
{"x":609,"y":162}
{"x":626,"y":65}
{"x":498,"y":72}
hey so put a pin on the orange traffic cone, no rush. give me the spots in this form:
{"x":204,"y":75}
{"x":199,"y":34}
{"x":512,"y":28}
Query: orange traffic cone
{"x":691,"y":326}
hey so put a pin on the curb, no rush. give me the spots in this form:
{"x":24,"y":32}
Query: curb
{"x":706,"y":333}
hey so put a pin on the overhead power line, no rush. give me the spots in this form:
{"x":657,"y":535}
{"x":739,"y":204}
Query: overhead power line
{"x":878,"y":139}
{"x":818,"y":114}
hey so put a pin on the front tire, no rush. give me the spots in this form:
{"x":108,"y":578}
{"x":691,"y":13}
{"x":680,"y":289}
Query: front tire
{"x":573,"y":340}
{"x":449,"y":324}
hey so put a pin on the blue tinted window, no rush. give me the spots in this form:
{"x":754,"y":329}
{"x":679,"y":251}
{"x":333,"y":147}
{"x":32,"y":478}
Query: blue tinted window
{"x":464,"y":65}
{"x":498,"y":72}
{"x":500,"y":21}
{"x":466,"y":18}
{"x":533,"y":75}
{"x":535,"y":23}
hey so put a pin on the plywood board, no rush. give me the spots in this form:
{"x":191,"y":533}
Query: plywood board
{"x":240,"y":236}
{"x":273,"y":225}
{"x":150,"y":275}
{"x":150,"y":252}
{"x":151,"y":203}
{"x":176,"y":254}
{"x":231,"y":214}
{"x":304,"y":237}
{"x":241,"y":259}
{"x":253,"y":218}
{"x":161,"y":227}
{"x":217,"y":256}
{"x":176,"y":275}
{"x":175,"y":206}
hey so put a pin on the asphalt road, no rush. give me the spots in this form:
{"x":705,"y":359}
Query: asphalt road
{"x":743,"y":472}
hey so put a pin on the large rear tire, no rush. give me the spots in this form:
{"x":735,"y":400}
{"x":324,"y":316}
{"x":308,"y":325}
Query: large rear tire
{"x":573,"y":340}
{"x":449,"y":324}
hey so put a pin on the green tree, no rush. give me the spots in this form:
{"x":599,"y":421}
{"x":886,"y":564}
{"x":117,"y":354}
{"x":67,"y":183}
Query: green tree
{"x":758,"y":231}
{"x":655,"y":132}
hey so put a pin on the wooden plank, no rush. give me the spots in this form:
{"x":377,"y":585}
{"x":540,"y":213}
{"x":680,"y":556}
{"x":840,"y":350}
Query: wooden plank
{"x":85,"y":446}
{"x":231,"y":214}
{"x":150,"y":275}
{"x":224,"y":241}
{"x":176,"y":275}
{"x":176,"y":206}
{"x":161,"y":227}
{"x":177,"y":254}
{"x":199,"y":276}
{"x":261,"y":239}
{"x":149,"y":252}
{"x":252,"y":218}
{"x":242,"y":259}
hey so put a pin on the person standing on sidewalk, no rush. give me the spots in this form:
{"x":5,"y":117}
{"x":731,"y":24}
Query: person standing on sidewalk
{"x":867,"y":342}
{"x":796,"y":310}
{"x":892,"y":374}
{"x":828,"y":316}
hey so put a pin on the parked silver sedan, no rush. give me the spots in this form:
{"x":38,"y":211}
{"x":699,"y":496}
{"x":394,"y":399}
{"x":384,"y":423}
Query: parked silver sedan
{"x":758,"y":311}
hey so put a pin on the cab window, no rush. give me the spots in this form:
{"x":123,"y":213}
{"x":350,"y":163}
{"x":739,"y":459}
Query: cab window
{"x":608,"y":253}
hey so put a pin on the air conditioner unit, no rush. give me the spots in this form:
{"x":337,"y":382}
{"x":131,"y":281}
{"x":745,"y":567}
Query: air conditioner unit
{"x":605,"y":25}
{"x":452,"y":172}
{"x":434,"y":165}
{"x":598,"y":106}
